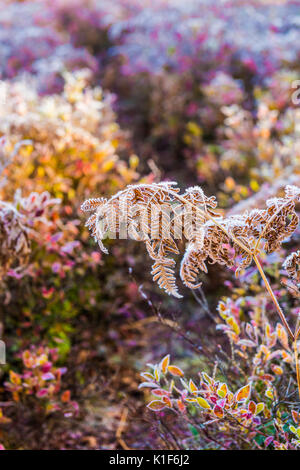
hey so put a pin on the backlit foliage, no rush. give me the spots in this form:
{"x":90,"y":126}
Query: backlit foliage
{"x":73,"y":136}
{"x":54,"y":150}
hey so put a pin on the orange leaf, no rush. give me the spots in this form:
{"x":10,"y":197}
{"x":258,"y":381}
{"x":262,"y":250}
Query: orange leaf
{"x":174,"y":370}
{"x":276,"y":369}
{"x":14,"y":378}
{"x":252,"y":407}
{"x":172,"y":385}
{"x":167,"y":401}
{"x":65,"y":397}
{"x":164,"y":363}
{"x":222,"y":391}
{"x":243,"y":393}
{"x":230,"y":397}
{"x":286,"y":357}
{"x":192,"y":387}
{"x":282,"y":336}
{"x":269,"y":393}
{"x":231,"y":322}
{"x":159,"y":392}
{"x":181,"y":406}
{"x":296,"y":416}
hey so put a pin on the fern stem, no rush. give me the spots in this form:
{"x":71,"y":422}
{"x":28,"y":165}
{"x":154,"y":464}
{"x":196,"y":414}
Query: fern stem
{"x":269,"y":289}
{"x":297,"y":364}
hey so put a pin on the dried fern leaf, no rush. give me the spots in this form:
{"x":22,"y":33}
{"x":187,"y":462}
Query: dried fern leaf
{"x":191,"y":265}
{"x":154,"y":214}
{"x":163,"y":274}
{"x":92,"y":204}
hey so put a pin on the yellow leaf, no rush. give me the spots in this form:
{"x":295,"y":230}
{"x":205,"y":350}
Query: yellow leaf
{"x":192,"y":387}
{"x":282,"y":336}
{"x":259,"y":408}
{"x":156,"y":374}
{"x":229,"y":183}
{"x":293,"y":429}
{"x":108,"y":165}
{"x":254,"y":185}
{"x":14,"y":378}
{"x":252,"y":407}
{"x":156,"y":405}
{"x":269,"y":393}
{"x":222,"y":391}
{"x":203,"y":403}
{"x":207,"y":378}
{"x":147,"y":375}
{"x":174,"y":370}
{"x":277,"y":369}
{"x":40,"y":171}
{"x":231,"y":322}
{"x":133,"y":161}
{"x":115,"y":143}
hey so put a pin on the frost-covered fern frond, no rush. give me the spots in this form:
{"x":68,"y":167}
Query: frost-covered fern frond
{"x":292,"y":265}
{"x":159,"y":216}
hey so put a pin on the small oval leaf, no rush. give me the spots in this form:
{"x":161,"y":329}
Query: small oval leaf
{"x":174,"y":370}
{"x":156,"y":405}
{"x":243,"y":393}
{"x":164,"y":363}
{"x":203,"y":403}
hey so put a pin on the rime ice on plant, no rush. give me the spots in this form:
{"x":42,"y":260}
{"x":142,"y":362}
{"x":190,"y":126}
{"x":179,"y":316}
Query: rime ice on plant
{"x":230,"y":241}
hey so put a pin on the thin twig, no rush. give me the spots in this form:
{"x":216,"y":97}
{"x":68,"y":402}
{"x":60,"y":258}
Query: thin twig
{"x":295,"y":345}
{"x":121,"y":428}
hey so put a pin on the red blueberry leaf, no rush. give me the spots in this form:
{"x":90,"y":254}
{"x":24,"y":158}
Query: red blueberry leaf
{"x":218,"y":412}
